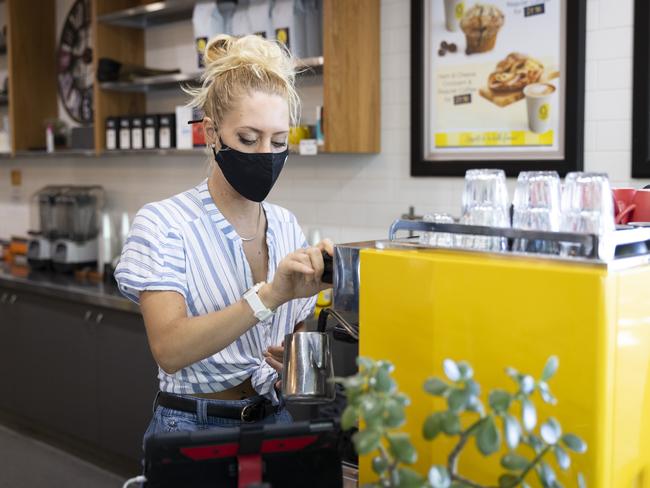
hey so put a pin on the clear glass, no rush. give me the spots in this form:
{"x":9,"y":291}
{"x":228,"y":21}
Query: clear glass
{"x":485,"y":202}
{"x":437,"y":239}
{"x":485,"y":187}
{"x":587,"y":207}
{"x":537,"y":207}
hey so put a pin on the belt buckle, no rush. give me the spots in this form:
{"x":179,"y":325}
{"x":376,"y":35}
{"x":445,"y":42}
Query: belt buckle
{"x":249,"y":412}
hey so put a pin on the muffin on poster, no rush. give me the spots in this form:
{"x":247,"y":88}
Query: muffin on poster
{"x":495,"y":74}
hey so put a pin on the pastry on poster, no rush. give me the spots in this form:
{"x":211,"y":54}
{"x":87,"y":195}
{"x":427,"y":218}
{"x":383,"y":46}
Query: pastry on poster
{"x":481,"y":24}
{"x":505,"y":85}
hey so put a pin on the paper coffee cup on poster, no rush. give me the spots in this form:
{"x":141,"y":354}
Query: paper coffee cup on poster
{"x":454,"y":11}
{"x":539,"y":103}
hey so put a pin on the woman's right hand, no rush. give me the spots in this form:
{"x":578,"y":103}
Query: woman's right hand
{"x":298,"y":276}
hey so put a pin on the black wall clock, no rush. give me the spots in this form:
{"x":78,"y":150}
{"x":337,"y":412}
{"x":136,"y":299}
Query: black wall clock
{"x":75,"y":69}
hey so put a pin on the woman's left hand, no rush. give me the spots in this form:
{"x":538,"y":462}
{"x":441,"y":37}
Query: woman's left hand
{"x":274,"y":356}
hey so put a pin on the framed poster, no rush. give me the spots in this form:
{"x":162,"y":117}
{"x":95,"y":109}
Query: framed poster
{"x":497,"y":85}
{"x":641,"y":92}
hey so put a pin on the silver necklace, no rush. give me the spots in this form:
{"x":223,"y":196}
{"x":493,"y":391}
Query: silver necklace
{"x":259,"y":216}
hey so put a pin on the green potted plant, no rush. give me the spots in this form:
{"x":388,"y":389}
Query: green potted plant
{"x":373,"y":399}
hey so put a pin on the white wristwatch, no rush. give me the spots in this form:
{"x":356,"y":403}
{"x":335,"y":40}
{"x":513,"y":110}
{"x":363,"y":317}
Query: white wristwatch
{"x":260,"y":310}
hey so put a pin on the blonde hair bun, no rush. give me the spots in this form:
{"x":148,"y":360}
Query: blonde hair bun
{"x":237,"y":65}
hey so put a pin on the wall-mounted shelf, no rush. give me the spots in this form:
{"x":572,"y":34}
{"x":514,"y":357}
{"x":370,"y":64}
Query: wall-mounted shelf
{"x":151,"y":83}
{"x":85,"y":153}
{"x":306,"y":66}
{"x":149,"y":15}
{"x":56,"y":154}
{"x":155,"y":152}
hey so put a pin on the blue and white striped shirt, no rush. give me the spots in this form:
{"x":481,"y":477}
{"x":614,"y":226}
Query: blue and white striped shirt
{"x":186,"y":245}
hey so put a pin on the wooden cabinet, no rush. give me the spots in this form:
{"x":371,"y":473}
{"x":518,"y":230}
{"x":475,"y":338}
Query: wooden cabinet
{"x":351,"y":85}
{"x":31,"y":47}
{"x":351,"y":68}
{"x":82,"y":372}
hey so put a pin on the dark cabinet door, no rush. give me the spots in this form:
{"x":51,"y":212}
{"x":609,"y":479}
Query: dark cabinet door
{"x":8,"y":324}
{"x":54,"y":362}
{"x":127,"y":382}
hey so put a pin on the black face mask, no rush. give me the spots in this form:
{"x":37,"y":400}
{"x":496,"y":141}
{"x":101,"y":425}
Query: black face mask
{"x":252,"y":175}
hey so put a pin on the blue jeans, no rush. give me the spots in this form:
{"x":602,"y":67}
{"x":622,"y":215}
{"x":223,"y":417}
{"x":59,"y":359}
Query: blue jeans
{"x":170,"y":420}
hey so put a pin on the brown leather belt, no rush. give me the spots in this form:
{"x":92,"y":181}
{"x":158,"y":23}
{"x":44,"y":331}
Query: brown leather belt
{"x":253,"y":412}
{"x":239,"y":392}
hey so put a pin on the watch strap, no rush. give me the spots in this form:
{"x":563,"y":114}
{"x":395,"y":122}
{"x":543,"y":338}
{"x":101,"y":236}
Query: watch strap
{"x":261,"y":311}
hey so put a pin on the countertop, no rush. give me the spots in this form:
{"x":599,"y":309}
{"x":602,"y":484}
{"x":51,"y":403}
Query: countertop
{"x":65,"y":286}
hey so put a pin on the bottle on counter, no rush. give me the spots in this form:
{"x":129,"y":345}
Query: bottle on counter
{"x":49,"y":138}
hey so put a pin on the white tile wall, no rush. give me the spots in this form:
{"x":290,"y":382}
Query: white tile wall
{"x":353,"y":197}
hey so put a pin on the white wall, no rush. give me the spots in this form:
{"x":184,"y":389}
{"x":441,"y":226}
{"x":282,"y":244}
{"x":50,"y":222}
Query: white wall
{"x":355,"y":197}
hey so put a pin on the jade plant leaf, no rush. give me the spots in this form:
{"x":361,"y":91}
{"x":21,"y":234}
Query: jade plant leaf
{"x":379,"y":464}
{"x":546,"y":474}
{"x":439,"y":477}
{"x":401,"y":448}
{"x":550,"y":368}
{"x":382,"y":380}
{"x":581,"y":481}
{"x":500,"y":401}
{"x":528,"y":414}
{"x":562,"y":458}
{"x":527,"y":384}
{"x":349,"y":418}
{"x":457,"y":400}
{"x":514,"y":461}
{"x":507,"y":480}
{"x":451,"y":370}
{"x":435,"y":387}
{"x":394,"y":415}
{"x":409,"y":478}
{"x":574,"y":443}
{"x":450,"y":423}
{"x":465,"y":369}
{"x":551,"y":431}
{"x":511,"y":431}
{"x":432,"y":426}
{"x":366,"y":441}
{"x":488,"y":439}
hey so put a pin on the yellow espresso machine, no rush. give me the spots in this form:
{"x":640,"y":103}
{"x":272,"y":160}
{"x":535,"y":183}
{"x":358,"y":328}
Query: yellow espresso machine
{"x":418,"y":306}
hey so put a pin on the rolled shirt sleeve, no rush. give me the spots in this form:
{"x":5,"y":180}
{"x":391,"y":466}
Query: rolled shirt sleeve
{"x":153,"y":257}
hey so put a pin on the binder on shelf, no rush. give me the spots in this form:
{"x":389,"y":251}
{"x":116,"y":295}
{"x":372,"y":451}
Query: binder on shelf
{"x":111,"y":133}
{"x":151,"y":125}
{"x":125,"y":133}
{"x":167,"y":131}
{"x":136,"y":132}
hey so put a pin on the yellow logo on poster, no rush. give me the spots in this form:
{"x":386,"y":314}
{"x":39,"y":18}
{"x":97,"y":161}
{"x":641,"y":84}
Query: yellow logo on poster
{"x":460,"y":10}
{"x":282,"y":35}
{"x":544,"y":111}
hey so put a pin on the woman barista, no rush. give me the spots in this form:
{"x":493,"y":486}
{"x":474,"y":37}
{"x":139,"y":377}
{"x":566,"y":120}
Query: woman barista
{"x":220,"y":275}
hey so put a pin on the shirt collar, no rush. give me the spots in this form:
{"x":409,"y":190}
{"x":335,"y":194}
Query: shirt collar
{"x":218,"y":218}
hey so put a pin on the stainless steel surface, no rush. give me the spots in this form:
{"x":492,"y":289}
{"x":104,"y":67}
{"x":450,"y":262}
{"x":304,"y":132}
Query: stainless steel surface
{"x":345,"y":293}
{"x":65,"y":288}
{"x":146,"y":84}
{"x":150,"y":83}
{"x":151,"y":14}
{"x":625,"y":243}
{"x":308,"y":368}
{"x":350,"y":476}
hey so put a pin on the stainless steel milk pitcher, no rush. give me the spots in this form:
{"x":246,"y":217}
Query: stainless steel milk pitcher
{"x":308,"y":371}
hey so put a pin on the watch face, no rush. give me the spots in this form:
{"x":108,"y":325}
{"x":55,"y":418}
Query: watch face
{"x":75,"y":68}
